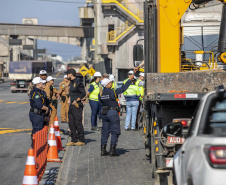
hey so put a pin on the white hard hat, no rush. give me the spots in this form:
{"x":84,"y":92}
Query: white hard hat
{"x":65,"y":76}
{"x":142,"y":74}
{"x":130,"y":72}
{"x":111,"y":77}
{"x":37,"y":80}
{"x":49,"y":78}
{"x":43,"y":72}
{"x":97,"y":74}
{"x":105,"y":81}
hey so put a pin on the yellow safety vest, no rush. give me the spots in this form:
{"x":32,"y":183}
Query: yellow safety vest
{"x":94,"y":94}
{"x":132,"y":90}
{"x":141,"y":89}
{"x":113,"y":86}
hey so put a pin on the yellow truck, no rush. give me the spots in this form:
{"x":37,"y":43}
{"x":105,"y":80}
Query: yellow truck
{"x":172,"y":95}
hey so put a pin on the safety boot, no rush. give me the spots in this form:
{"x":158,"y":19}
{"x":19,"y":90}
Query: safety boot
{"x":70,"y":144}
{"x":79,"y":143}
{"x":113,"y":151}
{"x":103,"y":150}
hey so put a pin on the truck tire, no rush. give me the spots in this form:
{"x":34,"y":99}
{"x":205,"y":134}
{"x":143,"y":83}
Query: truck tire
{"x":13,"y":91}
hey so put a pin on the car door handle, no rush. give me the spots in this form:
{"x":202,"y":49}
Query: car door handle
{"x":182,"y":152}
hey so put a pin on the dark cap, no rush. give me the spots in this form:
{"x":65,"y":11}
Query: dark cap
{"x":71,"y":71}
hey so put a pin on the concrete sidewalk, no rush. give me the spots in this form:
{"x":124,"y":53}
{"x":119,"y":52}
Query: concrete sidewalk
{"x":83,"y":165}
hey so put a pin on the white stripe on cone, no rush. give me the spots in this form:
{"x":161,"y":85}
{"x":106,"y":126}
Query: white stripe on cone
{"x":30,"y":160}
{"x":52,"y":130}
{"x":30,"y":180}
{"x":52,"y":142}
{"x":56,"y":123}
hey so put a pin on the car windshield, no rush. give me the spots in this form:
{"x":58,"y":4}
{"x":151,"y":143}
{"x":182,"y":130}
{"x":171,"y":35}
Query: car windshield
{"x":216,"y":118}
{"x":219,"y":112}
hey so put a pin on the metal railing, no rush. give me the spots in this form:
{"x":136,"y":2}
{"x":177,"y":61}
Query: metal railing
{"x":114,"y":35}
{"x":129,"y":8}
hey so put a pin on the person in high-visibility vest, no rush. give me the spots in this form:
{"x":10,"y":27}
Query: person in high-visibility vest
{"x":140,"y":84}
{"x":93,"y":93}
{"x":132,"y":95}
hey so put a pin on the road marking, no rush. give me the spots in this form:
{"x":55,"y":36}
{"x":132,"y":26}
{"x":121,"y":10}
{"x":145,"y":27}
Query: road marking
{"x":13,"y":130}
{"x":58,"y":74}
{"x":11,"y":102}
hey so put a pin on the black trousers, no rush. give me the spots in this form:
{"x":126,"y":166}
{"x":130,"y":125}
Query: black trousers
{"x":75,"y":124}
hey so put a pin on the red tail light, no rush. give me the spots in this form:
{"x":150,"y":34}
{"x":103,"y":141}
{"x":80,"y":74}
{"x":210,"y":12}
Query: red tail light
{"x":13,"y":83}
{"x":184,"y":121}
{"x":217,"y":155}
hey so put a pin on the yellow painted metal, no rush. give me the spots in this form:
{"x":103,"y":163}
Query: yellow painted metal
{"x":114,"y":35}
{"x":169,"y":31}
{"x":156,"y":142}
{"x":129,"y":7}
{"x":154,"y":124}
{"x":155,"y":132}
{"x":157,"y":149}
{"x":145,"y":130}
{"x":222,"y":57}
{"x":141,"y":69}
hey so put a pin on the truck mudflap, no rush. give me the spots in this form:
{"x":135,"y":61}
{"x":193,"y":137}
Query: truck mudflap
{"x":191,"y":82}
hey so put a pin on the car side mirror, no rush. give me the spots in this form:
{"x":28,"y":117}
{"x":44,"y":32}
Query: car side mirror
{"x":173,"y":129}
{"x":138,"y":55}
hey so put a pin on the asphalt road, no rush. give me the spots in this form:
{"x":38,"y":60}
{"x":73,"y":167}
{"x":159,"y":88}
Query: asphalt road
{"x":15,"y":133}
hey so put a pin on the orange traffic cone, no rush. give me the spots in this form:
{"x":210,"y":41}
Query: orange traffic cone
{"x":119,"y":106}
{"x":57,"y":134}
{"x":52,"y":155}
{"x":30,"y":173}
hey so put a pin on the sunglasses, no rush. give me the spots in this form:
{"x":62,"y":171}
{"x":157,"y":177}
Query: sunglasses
{"x":130,"y":74}
{"x":44,"y":75}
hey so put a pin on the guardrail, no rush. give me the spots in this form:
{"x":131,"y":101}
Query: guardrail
{"x":114,"y":35}
{"x":129,"y":8}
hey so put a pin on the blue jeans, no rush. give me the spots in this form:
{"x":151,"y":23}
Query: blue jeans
{"x":131,"y":111}
{"x":95,"y":108}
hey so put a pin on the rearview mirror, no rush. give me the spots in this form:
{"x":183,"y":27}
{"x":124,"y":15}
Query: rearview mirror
{"x":173,"y":129}
{"x":138,"y":56}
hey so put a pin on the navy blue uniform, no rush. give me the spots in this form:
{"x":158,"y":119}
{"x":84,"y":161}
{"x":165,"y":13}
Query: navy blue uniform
{"x":77,"y":90}
{"x":36,"y":115}
{"x":111,"y":121}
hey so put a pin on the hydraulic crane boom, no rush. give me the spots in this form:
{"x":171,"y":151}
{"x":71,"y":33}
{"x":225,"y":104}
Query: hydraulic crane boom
{"x":166,"y":34}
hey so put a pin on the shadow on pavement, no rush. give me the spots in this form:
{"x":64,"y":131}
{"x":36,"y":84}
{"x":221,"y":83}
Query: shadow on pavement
{"x":89,"y":140}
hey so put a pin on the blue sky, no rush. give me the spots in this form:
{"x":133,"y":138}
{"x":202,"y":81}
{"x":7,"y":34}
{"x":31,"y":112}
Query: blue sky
{"x":48,"y":13}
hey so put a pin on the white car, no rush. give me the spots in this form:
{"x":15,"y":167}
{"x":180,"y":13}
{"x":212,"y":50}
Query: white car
{"x":121,"y":98}
{"x":202,"y":158}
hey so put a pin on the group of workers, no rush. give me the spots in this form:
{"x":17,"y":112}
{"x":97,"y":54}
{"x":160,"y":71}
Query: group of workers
{"x":103,"y":99}
{"x":103,"y":96}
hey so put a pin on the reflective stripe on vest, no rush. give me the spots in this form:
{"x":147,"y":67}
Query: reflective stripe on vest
{"x":94,"y":94}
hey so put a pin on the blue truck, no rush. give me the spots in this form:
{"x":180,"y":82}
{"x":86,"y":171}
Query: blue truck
{"x":21,"y":73}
